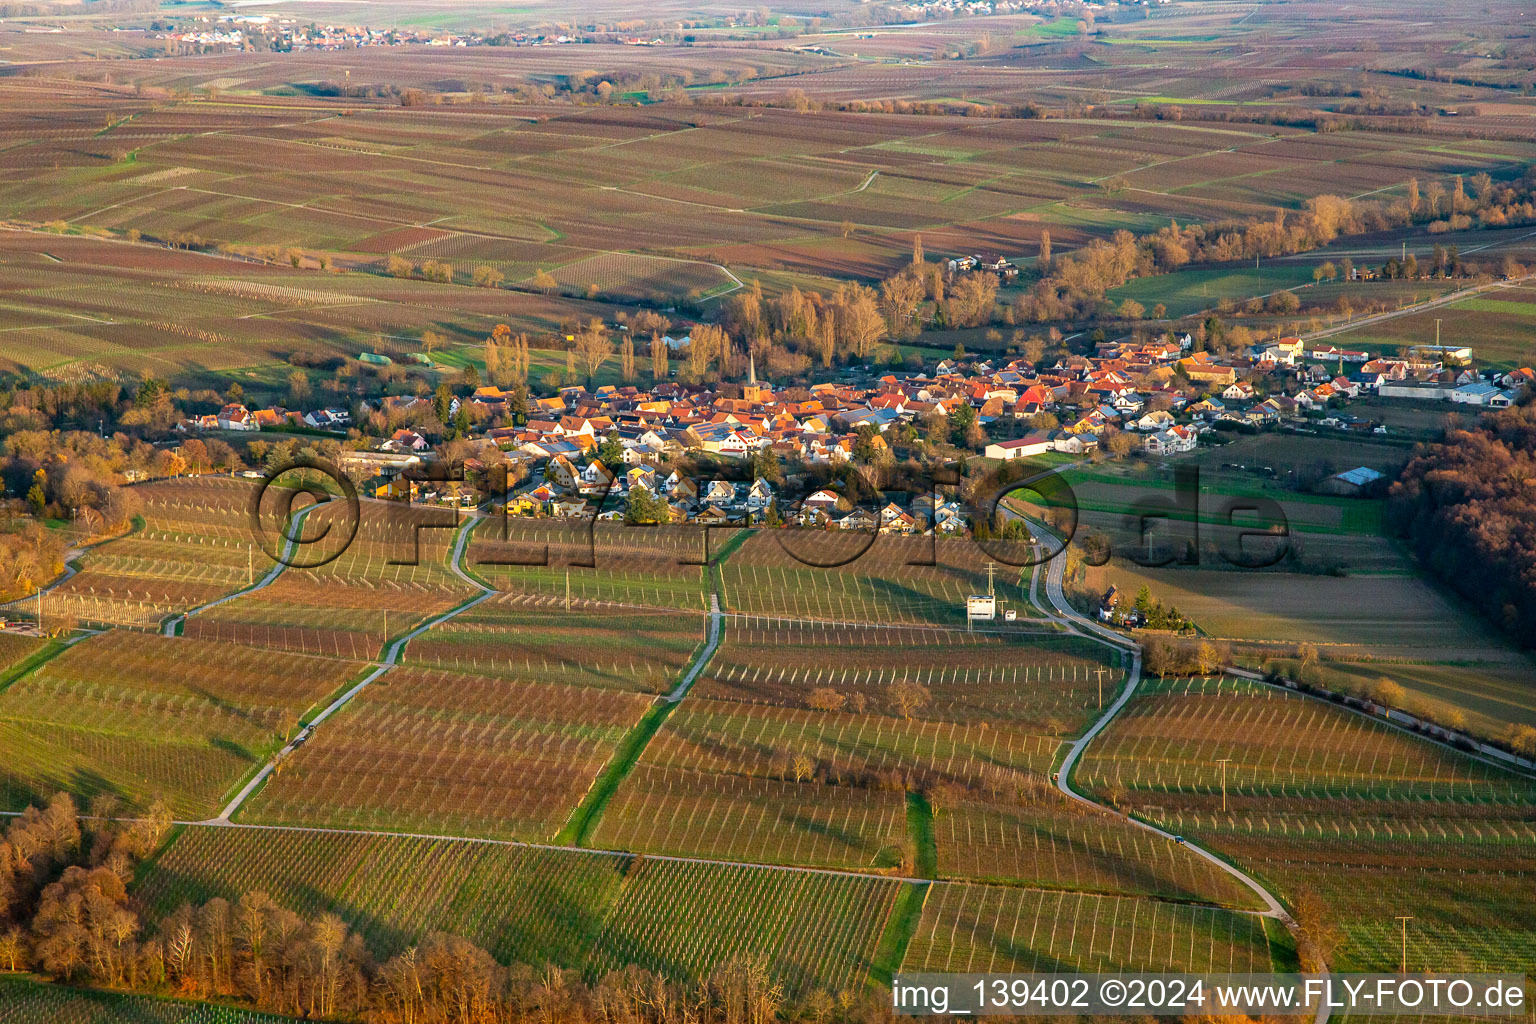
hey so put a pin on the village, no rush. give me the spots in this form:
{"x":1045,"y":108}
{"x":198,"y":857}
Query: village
{"x":717,"y":453}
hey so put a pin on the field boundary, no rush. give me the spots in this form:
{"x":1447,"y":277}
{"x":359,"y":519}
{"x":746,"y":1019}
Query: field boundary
{"x":388,"y":660}
{"x":586,"y":814}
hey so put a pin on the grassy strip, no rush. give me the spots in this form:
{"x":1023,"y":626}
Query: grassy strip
{"x":1282,"y":946}
{"x":920,"y":828}
{"x":900,"y":927}
{"x":47,"y":652}
{"x":584,"y":818}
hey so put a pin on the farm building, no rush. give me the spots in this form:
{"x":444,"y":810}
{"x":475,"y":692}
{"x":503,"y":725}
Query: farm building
{"x":1351,"y":483}
{"x":1484,"y":394}
{"x":1036,"y":443}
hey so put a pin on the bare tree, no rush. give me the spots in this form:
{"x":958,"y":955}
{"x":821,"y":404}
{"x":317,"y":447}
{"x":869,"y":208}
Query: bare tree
{"x":627,"y":359}
{"x":824,"y":698}
{"x":659,"y":368}
{"x":804,"y":767}
{"x":908,"y":697}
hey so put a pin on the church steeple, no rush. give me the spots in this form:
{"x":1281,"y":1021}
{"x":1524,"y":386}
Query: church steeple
{"x":751,"y":366}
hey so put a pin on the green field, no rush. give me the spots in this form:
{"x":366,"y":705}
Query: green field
{"x":1190,"y":291}
{"x":140,"y":716}
{"x":1496,"y":325}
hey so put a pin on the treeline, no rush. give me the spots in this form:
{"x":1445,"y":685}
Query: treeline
{"x":1366,"y":114}
{"x":1465,"y":506}
{"x":798,"y":100}
{"x":1074,"y":285}
{"x":71,"y":475}
{"x":65,"y":911}
{"x":67,"y":474}
{"x":1168,"y":657}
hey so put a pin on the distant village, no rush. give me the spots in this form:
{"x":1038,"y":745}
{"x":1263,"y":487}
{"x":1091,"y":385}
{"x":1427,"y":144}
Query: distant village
{"x":607,"y":451}
{"x":265,"y":33}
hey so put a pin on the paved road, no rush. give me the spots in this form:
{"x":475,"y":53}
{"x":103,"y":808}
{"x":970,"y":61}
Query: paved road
{"x":387,"y":661}
{"x":712,"y":641}
{"x":290,"y":541}
{"x":1065,"y":613}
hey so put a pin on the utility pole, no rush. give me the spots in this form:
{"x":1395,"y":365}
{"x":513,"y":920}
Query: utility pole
{"x":1437,"y":332}
{"x":1223,"y":762}
{"x":1405,"y":919}
{"x":567,"y":588}
{"x":991,"y":569}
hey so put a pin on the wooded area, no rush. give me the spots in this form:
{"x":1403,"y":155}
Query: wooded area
{"x":1464,"y":504}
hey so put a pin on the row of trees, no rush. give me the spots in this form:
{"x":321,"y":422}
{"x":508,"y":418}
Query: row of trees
{"x":65,"y":910}
{"x":1166,"y":657}
{"x":1075,"y":284}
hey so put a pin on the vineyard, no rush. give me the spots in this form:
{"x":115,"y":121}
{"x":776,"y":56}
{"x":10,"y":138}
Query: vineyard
{"x":301,"y":614}
{"x":1059,"y":844}
{"x":892,"y":582}
{"x":1320,"y":800}
{"x":732,"y":817}
{"x":1040,"y":682}
{"x":612,"y":648}
{"x":724,"y":778}
{"x":814,"y":929}
{"x":450,"y":753}
{"x":16,"y":648}
{"x":980,"y":928}
{"x":523,"y":904}
{"x":530,"y":905}
{"x":391,"y":578}
{"x":147,"y":716}
{"x":195,"y":546}
{"x":31,"y":1002}
{"x":732,"y":738}
{"x":544,"y":562}
{"x":1280,"y":747}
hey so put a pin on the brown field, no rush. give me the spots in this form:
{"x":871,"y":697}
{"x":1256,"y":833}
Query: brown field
{"x":436,"y":752}
{"x":1426,"y":828}
{"x":628,"y":202}
{"x":77,"y":307}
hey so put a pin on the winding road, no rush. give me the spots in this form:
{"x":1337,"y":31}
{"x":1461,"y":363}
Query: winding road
{"x":389,"y":658}
{"x":1062,"y":611}
{"x":291,"y":537}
